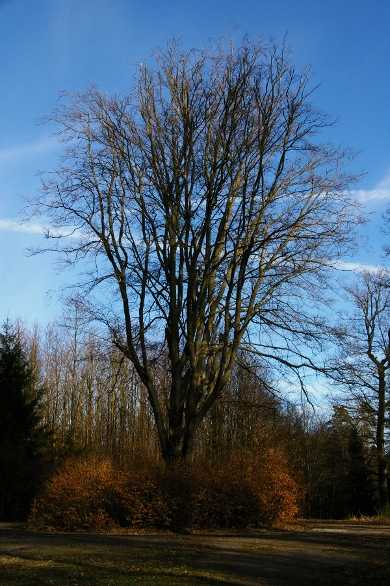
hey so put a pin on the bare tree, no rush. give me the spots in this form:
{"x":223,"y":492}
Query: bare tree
{"x":363,"y":363}
{"x":205,"y":204}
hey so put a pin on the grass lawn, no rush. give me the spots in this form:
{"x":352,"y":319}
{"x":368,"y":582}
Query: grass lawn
{"x":309,"y":554}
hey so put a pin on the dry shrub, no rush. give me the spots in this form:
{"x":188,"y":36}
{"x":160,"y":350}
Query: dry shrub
{"x":76,"y":496}
{"x":139,"y":502}
{"x":244,"y":491}
{"x":275,"y":488}
{"x":176,"y":485}
{"x":221,"y":499}
{"x":92,"y":494}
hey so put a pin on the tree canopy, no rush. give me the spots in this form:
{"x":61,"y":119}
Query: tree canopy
{"x":205,"y":203}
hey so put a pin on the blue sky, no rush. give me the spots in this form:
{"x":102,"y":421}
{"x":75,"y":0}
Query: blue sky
{"x":48,"y":46}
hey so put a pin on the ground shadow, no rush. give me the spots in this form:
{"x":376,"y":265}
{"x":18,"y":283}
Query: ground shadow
{"x":324,"y":554}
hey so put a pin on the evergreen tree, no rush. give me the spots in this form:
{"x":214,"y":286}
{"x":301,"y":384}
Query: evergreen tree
{"x":345,"y":486}
{"x":359,"y":486}
{"x":23,"y":439}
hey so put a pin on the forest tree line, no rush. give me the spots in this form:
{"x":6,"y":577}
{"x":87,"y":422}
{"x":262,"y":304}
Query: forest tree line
{"x":89,"y":402}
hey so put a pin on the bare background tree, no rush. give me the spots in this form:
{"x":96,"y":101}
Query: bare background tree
{"x":205,"y":213}
{"x":94,"y":401}
{"x":363,"y":363}
{"x":331,"y":460}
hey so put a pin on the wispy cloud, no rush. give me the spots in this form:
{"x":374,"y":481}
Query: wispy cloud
{"x":356,"y":267}
{"x":35,"y":228}
{"x":381,"y":191}
{"x":31,"y":149}
{"x":7,"y":225}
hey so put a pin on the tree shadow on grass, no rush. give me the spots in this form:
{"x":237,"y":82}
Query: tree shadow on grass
{"x":29,"y":572}
{"x":272,"y":558}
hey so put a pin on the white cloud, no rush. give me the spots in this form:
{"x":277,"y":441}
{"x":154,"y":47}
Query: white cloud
{"x":356,"y":267}
{"x":7,"y":225}
{"x":381,"y":191}
{"x":34,"y":228}
{"x":31,"y":149}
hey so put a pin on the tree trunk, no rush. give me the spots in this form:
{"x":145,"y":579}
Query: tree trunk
{"x":380,"y":443}
{"x":177,"y":477}
{"x":178,"y":443}
{"x":177,"y":487}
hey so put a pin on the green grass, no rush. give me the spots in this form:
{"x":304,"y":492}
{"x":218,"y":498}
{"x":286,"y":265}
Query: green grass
{"x":321,"y":553}
{"x":98,"y":565}
{"x":45,"y":573}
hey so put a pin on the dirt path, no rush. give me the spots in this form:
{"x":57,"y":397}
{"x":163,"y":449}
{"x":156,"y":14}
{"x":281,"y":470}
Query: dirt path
{"x":311,"y":554}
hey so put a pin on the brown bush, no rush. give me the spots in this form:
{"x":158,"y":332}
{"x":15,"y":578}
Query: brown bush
{"x":275,"y":488}
{"x":92,"y":494}
{"x":242,"y":492}
{"x":245,"y":491}
{"x":138,"y":501}
{"x":75,"y":497}
{"x":221,"y":499}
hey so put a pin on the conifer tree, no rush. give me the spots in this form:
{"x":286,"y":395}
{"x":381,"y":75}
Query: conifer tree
{"x":23,"y":438}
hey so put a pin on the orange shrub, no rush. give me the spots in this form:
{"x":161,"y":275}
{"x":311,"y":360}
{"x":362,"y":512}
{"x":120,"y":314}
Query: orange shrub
{"x":221,"y":499}
{"x":138,"y":501}
{"x":276,"y":490}
{"x":244,"y":491}
{"x":92,"y":494}
{"x":75,"y":497}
